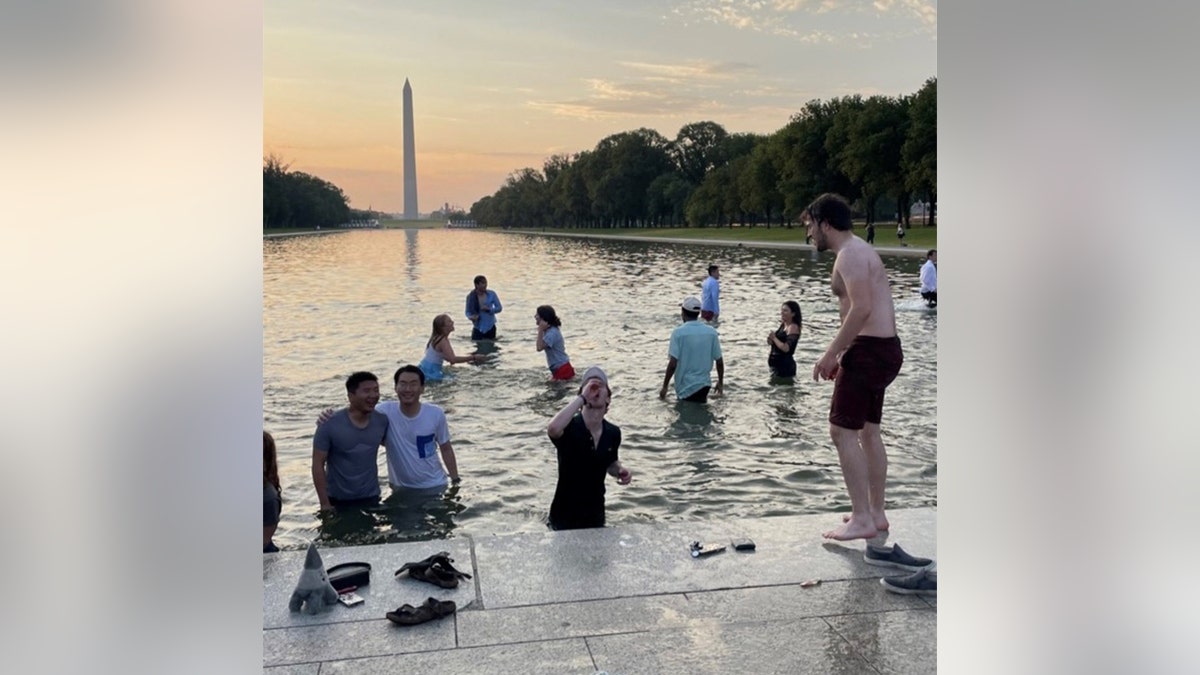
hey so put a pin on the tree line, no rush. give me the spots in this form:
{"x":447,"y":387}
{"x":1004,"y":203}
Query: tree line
{"x":297,"y":199}
{"x":873,"y":151}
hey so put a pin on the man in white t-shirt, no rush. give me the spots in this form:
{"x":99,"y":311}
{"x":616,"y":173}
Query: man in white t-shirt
{"x":929,"y":278}
{"x":417,"y":434}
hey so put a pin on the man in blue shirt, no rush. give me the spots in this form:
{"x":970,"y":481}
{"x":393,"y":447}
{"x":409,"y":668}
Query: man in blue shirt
{"x":693,"y":350}
{"x":482,"y":307}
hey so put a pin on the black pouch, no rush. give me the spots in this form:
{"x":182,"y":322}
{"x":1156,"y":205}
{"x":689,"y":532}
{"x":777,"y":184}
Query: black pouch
{"x":349,"y":575}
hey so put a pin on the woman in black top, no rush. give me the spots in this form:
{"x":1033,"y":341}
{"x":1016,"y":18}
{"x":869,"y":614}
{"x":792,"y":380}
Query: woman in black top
{"x":782,"y":360}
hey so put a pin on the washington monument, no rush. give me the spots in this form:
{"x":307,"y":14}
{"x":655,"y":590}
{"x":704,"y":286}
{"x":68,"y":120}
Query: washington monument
{"x":410,"y":158}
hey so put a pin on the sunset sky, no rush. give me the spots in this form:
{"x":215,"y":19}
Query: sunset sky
{"x":502,"y":85}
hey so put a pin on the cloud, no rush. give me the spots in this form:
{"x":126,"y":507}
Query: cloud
{"x":608,"y":99}
{"x":680,"y":72}
{"x":794,"y":18}
{"x":650,"y":89}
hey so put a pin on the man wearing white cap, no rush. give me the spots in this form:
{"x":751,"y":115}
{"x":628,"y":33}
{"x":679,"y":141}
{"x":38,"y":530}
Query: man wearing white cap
{"x":694,"y":348}
{"x":587,"y":450}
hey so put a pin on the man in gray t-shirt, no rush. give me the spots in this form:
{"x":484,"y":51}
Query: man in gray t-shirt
{"x":345,"y":461}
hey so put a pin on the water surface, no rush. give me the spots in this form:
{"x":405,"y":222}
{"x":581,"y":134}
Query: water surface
{"x":365,"y":300}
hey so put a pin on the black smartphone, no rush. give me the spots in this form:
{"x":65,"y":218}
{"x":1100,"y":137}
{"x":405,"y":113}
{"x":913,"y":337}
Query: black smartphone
{"x":743,"y":544}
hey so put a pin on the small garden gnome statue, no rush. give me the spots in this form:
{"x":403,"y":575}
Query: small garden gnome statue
{"x":313,"y":591}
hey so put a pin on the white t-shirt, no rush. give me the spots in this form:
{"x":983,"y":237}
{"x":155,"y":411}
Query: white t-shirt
{"x":928,"y":277}
{"x":412,"y":443}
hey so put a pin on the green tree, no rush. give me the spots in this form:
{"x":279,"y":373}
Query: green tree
{"x":919,"y":153}
{"x":666,"y":199}
{"x":758,"y":184}
{"x":865,"y":142}
{"x":875,"y":152}
{"x":697,"y":149}
{"x":298,"y":199}
{"x":799,"y":152}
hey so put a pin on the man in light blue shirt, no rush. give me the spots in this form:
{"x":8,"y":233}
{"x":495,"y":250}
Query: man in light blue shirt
{"x":482,"y":307}
{"x":710,"y":294}
{"x":694,"y":348}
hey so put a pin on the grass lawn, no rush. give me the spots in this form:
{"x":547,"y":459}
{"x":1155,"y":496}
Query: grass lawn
{"x":410,"y":224}
{"x":916,"y":237}
{"x":413,"y":224}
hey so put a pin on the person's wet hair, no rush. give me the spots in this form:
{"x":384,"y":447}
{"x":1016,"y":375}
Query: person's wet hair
{"x":480,"y":279}
{"x":358,"y":378}
{"x":549,"y":315}
{"x":439,"y":329}
{"x":410,"y":368}
{"x":795,"y":307}
{"x":833,"y":209}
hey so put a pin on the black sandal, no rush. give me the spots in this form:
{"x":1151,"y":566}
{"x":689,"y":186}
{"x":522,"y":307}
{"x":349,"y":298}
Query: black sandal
{"x":441,"y":608}
{"x":426,"y":562}
{"x":432,"y":608}
{"x":434,"y":574}
{"x":437,"y":569}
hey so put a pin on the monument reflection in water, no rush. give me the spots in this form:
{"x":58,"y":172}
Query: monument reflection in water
{"x":365,"y":300}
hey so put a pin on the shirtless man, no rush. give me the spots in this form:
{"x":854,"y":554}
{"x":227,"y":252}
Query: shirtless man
{"x":862,"y":360}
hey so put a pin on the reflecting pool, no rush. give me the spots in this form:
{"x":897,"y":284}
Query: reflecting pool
{"x":365,"y":300}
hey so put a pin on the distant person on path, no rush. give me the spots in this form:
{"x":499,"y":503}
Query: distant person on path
{"x":863,"y":359}
{"x":694,"y":348}
{"x":415,"y":431}
{"x":587,"y":446}
{"x":272,"y":493}
{"x":550,"y":340}
{"x":929,"y":278}
{"x":439,"y":349}
{"x":710,"y":294}
{"x":870,"y":233}
{"x":345,"y":468}
{"x":900,"y":231}
{"x":782,"y":360}
{"x":482,"y":307}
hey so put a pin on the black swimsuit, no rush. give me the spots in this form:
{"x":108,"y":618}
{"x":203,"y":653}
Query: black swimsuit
{"x":783,"y":364}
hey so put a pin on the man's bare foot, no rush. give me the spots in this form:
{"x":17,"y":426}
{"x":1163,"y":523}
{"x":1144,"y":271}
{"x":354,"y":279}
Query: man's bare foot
{"x":881,"y":521}
{"x":853,"y":528}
